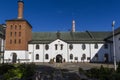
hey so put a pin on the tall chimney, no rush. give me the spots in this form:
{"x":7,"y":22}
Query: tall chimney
{"x":73,"y":26}
{"x":20,"y":9}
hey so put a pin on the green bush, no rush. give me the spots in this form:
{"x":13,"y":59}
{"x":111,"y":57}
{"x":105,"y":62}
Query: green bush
{"x":17,"y":71}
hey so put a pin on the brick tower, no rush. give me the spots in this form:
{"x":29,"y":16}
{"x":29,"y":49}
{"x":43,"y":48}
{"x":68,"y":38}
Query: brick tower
{"x":18,"y":33}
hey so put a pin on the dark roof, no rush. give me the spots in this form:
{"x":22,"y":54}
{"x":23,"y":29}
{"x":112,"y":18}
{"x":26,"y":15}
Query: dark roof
{"x":116,"y":32}
{"x":69,"y":37}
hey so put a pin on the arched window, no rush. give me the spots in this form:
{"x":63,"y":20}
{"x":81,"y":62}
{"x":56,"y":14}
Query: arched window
{"x":71,"y":56}
{"x":70,"y":46}
{"x":84,"y":56}
{"x":46,"y":46}
{"x":46,"y":56}
{"x":96,"y":46}
{"x":106,"y":46}
{"x":37,"y":56}
{"x":37,"y":46}
{"x":83,"y":46}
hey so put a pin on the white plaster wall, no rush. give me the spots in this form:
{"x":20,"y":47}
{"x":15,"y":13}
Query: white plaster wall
{"x":21,"y":54}
{"x":77,"y":51}
{"x":62,"y":52}
{"x":32,"y":49}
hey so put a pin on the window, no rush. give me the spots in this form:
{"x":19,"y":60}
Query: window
{"x":46,"y":56}
{"x":84,"y":56}
{"x":10,"y":41}
{"x":46,"y":46}
{"x":15,"y":26}
{"x":71,"y":56}
{"x":37,"y":56}
{"x":83,"y":46}
{"x":19,"y":41}
{"x":70,"y":46}
{"x":11,"y":26}
{"x":15,"y":34}
{"x":96,"y":46}
{"x":106,"y":46}
{"x":61,"y":46}
{"x":10,"y":33}
{"x":15,"y":41}
{"x":19,"y":27}
{"x":37,"y":46}
{"x":56,"y":46}
{"x":19,"y":34}
{"x":96,"y":57}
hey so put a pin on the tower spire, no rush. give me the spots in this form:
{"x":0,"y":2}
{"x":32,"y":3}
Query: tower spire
{"x":73,"y":26}
{"x":20,"y":9}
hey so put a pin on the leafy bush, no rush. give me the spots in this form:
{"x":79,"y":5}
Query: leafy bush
{"x":17,"y":71}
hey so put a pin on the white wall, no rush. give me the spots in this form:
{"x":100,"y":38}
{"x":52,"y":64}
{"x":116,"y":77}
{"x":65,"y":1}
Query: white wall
{"x":77,"y":51}
{"x":23,"y":55}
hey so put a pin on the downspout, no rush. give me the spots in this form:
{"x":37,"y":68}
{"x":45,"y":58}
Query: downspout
{"x":90,"y":51}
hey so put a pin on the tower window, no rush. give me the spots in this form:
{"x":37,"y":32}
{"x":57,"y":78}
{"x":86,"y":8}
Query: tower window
{"x":15,"y":41}
{"x":19,"y":34}
{"x":11,"y":26}
{"x":37,"y":56}
{"x":10,"y":33}
{"x":15,"y":26}
{"x":10,"y":41}
{"x":37,"y":46}
{"x":19,"y":27}
{"x":15,"y":34}
{"x":19,"y":41}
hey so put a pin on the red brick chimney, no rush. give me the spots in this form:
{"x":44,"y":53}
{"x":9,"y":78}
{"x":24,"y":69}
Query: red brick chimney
{"x":20,"y":9}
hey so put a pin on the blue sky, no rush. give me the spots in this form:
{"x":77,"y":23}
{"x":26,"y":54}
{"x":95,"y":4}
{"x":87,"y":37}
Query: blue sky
{"x":54,"y":15}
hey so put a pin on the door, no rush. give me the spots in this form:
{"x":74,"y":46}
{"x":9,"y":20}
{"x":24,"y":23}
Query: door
{"x":14,"y":58}
{"x":58,"y":59}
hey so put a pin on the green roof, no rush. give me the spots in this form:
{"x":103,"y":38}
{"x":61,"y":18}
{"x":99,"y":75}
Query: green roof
{"x":69,"y":37}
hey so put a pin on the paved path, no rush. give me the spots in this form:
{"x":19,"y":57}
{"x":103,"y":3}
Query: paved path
{"x":75,"y":66}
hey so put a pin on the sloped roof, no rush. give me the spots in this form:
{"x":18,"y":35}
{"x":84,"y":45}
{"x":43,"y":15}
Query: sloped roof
{"x":69,"y":37}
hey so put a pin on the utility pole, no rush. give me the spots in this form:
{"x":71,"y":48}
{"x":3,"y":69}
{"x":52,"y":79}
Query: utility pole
{"x":114,"y":54}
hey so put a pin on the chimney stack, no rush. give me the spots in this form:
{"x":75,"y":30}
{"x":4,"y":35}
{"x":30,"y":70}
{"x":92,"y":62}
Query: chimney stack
{"x":20,"y":9}
{"x":73,"y":26}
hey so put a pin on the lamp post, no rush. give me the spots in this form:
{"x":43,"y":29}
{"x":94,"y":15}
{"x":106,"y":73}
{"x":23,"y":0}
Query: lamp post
{"x":114,"y":54}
